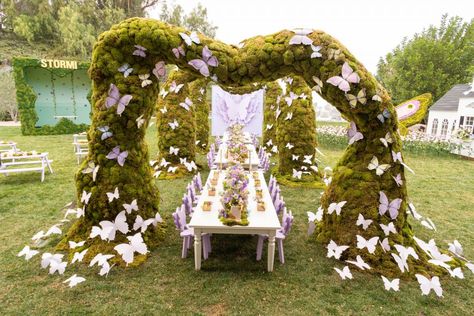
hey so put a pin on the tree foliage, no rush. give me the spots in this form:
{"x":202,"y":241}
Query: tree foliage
{"x":196,"y":20}
{"x":432,"y":61}
{"x":8,"y":108}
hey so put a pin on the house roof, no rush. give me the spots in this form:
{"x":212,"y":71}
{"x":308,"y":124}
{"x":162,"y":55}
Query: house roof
{"x":450,"y":101}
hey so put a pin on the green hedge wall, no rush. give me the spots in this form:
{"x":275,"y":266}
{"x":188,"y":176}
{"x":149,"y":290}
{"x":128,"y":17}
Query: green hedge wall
{"x":26,"y":99}
{"x":201,"y":112}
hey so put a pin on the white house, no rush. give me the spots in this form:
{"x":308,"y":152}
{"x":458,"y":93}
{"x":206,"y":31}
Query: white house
{"x":452,"y":111}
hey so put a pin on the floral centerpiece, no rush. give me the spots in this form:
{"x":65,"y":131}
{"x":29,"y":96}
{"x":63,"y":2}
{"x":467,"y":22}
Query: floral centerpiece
{"x":237,"y":151}
{"x":235,"y":196}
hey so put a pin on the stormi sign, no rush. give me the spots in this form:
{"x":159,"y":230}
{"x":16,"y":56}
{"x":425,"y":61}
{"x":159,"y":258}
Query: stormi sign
{"x":53,"y":63}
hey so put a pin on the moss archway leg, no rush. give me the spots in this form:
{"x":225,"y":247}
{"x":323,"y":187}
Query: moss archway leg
{"x":273,"y":95}
{"x":198,"y":94}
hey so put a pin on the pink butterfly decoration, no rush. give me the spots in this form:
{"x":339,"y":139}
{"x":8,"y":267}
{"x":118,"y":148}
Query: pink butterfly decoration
{"x":186,"y":104}
{"x":300,"y":37}
{"x":160,"y":70}
{"x":348,"y":76}
{"x":203,"y":64}
{"x":178,"y":51}
{"x":398,"y":179}
{"x":116,"y":154}
{"x":139,"y":51}
{"x":391,"y":207}
{"x":353,"y":134}
{"x":114,"y":98}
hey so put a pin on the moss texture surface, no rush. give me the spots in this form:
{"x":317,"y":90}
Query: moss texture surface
{"x":198,"y":94}
{"x":273,"y":95}
{"x":262,"y":58}
{"x":26,"y":98}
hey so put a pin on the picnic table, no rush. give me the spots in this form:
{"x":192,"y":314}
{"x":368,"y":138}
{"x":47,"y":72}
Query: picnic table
{"x":264,"y":222}
{"x":7,"y":146}
{"x":21,"y":161}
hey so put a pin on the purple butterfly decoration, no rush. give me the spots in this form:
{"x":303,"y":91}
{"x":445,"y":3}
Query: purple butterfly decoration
{"x":178,"y":51}
{"x":116,"y":154}
{"x":398,"y":179}
{"x":348,"y":76}
{"x":203,"y":64}
{"x":353,"y":134}
{"x":160,"y":70}
{"x":139,"y":51}
{"x":391,"y":207}
{"x":114,"y":98}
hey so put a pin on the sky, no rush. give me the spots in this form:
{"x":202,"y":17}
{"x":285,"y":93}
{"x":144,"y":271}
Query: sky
{"x":368,"y":28}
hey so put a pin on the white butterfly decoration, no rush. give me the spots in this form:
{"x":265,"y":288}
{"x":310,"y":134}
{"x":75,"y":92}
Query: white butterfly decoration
{"x":175,"y":87}
{"x":432,"y":250}
{"x":289,"y":116}
{"x":186,"y":104}
{"x":300,"y":37}
{"x":294,"y":157}
{"x":28,"y":253}
{"x":105,"y":269}
{"x":174,"y":150}
{"x":312,"y":218}
{"x":314,"y":168}
{"x":428,"y":223}
{"x":319,"y":84}
{"x":297,"y":174}
{"x":54,"y":262}
{"x":183,"y":160}
{"x":327,"y":181}
{"x":202,"y":91}
{"x":126,"y":70}
{"x":145,"y":80}
{"x":289,"y":99}
{"x":269,"y":126}
{"x":53,"y":230}
{"x":413,"y":212}
{"x":79,"y":256}
{"x":157,"y":219}
{"x":47,"y":258}
{"x":85,"y":197}
{"x":353,"y":134}
{"x":190,"y":166}
{"x":172,"y":169}
{"x":288,"y":80}
{"x":334,"y":250}
{"x":289,"y":145}
{"x":398,"y":157}
{"x":392,"y":207}
{"x":157,"y":173}
{"x":269,"y":143}
{"x":315,"y":53}
{"x":277,"y":113}
{"x":100,"y":259}
{"x":391,"y":285}
{"x":275,"y":149}
{"x":307,"y":159}
{"x":345,"y":273}
{"x":387,"y":139}
{"x":173,"y":124}
{"x":360,"y":263}
{"x":379,"y":168}
{"x":141,"y":224}
{"x":456,"y":273}
{"x":73,"y":244}
{"x":163,"y":93}
{"x":402,"y":256}
{"x":91,"y":168}
{"x":387,"y":229}
{"x":348,"y":76}
{"x":385,"y":245}
{"x":113,"y":195}
{"x":191,"y":38}
{"x":140,"y":121}
{"x":361,"y":221}
{"x":106,"y":133}
{"x":367,"y":243}
{"x":39,"y":235}
{"x":426,"y":285}
{"x":127,"y":251}
{"x":74,"y":280}
{"x":456,"y":248}
{"x":164,"y":163}
{"x":470,"y":266}
{"x":108,"y":229}
{"x":131,"y":207}
{"x":336,"y":207}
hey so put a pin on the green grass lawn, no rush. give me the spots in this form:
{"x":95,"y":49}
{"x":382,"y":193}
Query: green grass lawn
{"x":231,"y":281}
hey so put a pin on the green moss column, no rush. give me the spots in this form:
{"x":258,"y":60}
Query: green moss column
{"x":272,"y":97}
{"x":198,"y":94}
{"x":296,"y":136}
{"x":171,"y":136}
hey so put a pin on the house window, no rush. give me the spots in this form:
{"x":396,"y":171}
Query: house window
{"x":444,"y":128}
{"x":434,"y":128}
{"x":467,"y":122}
{"x":454,"y":126}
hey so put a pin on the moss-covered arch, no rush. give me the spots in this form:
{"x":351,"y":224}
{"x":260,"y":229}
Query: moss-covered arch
{"x":262,"y":58}
{"x":198,"y":95}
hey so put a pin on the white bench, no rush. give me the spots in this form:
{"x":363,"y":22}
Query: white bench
{"x":7,"y":146}
{"x":81,"y":146}
{"x":17,"y":161}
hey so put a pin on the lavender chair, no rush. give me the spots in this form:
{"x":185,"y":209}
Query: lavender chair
{"x":198,"y":182}
{"x":191,"y":192}
{"x":287,"y":221}
{"x":275,"y":192}
{"x":279,"y":204}
{"x":179,"y":218}
{"x":187,"y":204}
{"x":210,"y":160}
{"x":271,"y":183}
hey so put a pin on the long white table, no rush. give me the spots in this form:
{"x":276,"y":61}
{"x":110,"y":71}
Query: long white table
{"x":252,"y":162}
{"x":260,"y":222}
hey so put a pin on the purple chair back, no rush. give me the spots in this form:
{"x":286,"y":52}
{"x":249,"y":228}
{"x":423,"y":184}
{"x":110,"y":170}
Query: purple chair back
{"x":176,"y":219}
{"x":187,"y":204}
{"x":287,"y":222}
{"x":210,"y":160}
{"x":279,"y":204}
{"x":182,"y":217}
{"x":191,"y":192}
{"x":199,"y":181}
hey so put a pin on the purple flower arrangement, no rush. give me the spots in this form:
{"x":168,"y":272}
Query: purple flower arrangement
{"x":235,"y":195}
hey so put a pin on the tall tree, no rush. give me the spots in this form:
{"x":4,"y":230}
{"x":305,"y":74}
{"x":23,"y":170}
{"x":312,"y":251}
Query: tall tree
{"x":196,"y":20}
{"x":432,"y":61}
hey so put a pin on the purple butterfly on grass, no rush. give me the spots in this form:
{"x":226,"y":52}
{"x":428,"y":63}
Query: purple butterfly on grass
{"x":207,"y":61}
{"x":114,"y":98}
{"x":116,"y":154}
{"x":139,"y":51}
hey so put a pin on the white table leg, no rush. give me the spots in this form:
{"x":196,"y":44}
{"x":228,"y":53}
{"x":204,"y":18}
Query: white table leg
{"x":271,"y":251}
{"x":197,"y":249}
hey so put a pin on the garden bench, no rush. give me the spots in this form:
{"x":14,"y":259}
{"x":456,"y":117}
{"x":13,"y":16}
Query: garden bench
{"x":21,"y":162}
